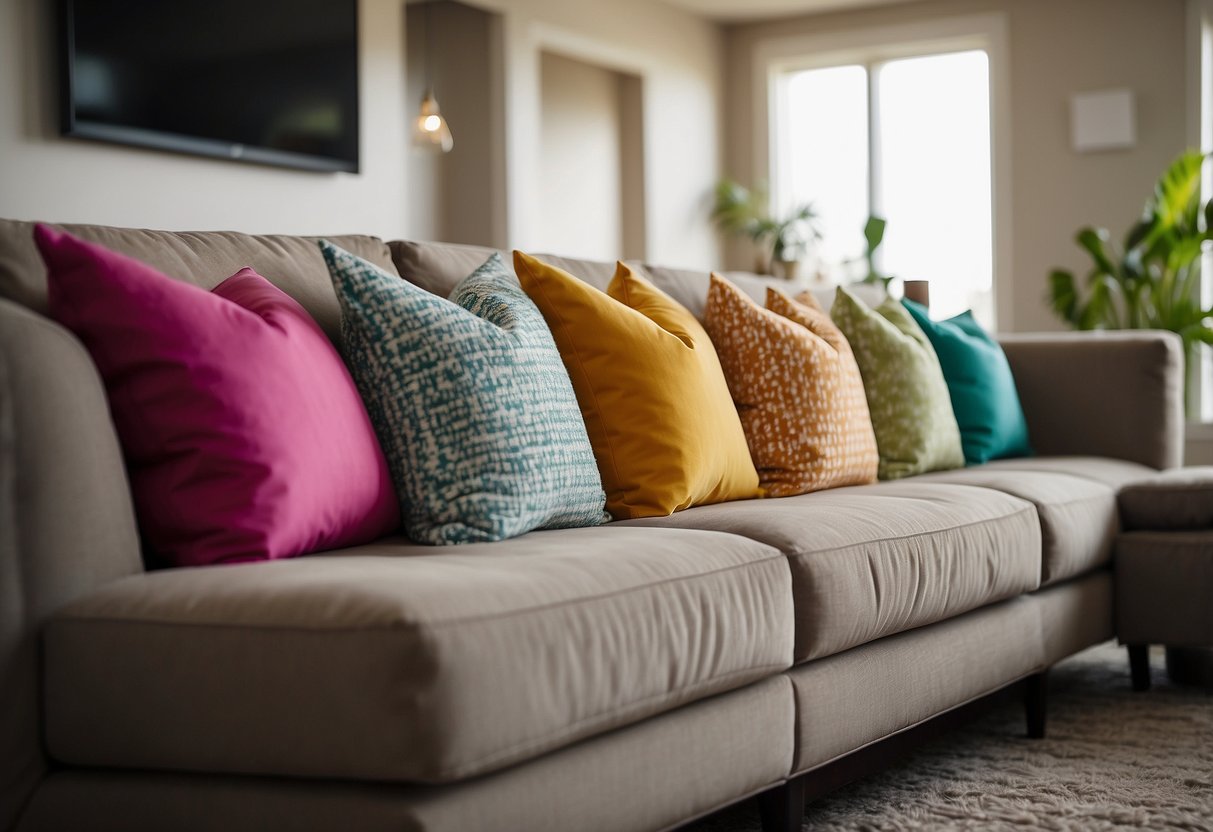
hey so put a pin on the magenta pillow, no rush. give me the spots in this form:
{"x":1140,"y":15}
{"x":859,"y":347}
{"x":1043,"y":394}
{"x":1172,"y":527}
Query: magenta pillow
{"x":244,"y":435}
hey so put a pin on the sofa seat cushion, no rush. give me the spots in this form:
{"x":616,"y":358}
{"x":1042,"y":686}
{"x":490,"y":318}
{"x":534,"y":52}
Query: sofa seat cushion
{"x":1078,"y":520}
{"x":1180,"y":499}
{"x":390,"y":662}
{"x":873,"y":560}
{"x":1114,"y":473}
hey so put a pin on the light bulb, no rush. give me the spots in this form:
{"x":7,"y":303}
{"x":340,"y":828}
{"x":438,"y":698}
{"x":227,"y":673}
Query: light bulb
{"x":432,"y":131}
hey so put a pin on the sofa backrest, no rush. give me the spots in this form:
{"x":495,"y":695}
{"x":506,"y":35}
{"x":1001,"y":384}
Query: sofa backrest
{"x":204,"y":258}
{"x":438,"y":267}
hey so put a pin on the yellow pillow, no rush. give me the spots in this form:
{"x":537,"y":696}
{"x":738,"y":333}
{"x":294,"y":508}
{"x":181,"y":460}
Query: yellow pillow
{"x":655,"y":402}
{"x":797,"y":388}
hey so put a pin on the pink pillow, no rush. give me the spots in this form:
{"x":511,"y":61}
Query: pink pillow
{"x":244,"y":435}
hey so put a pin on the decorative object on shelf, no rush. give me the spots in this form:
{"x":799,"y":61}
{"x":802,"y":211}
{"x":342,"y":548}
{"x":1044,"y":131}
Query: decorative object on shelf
{"x":431,"y":131}
{"x":783,"y":242}
{"x":1153,"y":280}
{"x":918,"y":291}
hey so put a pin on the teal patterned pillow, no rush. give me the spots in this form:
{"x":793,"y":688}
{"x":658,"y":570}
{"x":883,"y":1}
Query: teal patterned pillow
{"x":471,"y":402}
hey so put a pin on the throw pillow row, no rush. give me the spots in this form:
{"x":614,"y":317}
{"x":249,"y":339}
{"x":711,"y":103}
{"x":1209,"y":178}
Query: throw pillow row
{"x":506,"y":408}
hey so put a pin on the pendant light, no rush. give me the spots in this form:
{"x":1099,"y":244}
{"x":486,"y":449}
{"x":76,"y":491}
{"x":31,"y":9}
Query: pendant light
{"x":431,"y":130}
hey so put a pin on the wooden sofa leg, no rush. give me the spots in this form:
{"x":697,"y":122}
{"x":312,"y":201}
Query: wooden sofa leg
{"x":782,"y":807}
{"x":1139,"y":666}
{"x":1035,"y":701}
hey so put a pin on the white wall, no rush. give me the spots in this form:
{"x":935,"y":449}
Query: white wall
{"x":579,"y":185}
{"x":44,"y":176}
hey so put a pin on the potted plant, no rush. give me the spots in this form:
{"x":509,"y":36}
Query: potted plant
{"x":1152,"y":280}
{"x":873,"y":235}
{"x":784,"y":240}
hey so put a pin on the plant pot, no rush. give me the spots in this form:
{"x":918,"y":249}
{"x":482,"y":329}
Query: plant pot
{"x":787,"y":269}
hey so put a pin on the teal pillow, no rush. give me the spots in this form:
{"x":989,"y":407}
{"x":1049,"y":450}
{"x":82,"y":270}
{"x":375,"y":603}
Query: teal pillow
{"x":471,"y":402}
{"x":984,"y":398}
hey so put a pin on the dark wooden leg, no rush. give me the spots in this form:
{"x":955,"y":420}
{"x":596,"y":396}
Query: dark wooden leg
{"x":782,"y":807}
{"x":1139,"y":666}
{"x":1035,"y":701}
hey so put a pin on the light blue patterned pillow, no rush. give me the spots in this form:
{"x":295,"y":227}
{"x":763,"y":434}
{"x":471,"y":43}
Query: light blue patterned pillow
{"x":471,"y":402}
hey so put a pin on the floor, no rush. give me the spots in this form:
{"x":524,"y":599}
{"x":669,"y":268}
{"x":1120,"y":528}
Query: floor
{"x":1113,"y":759}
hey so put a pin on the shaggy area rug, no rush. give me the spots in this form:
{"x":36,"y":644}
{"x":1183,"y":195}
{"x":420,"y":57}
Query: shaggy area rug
{"x":1113,"y":759}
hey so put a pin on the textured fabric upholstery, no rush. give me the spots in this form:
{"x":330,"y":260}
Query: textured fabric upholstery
{"x":391,"y":662}
{"x":863,"y":695}
{"x":1110,"y":394}
{"x":1164,"y":588}
{"x":1114,"y":473}
{"x":1173,"y":500}
{"x":597,"y":273}
{"x":66,"y":520}
{"x":1075,"y":614}
{"x":204,"y":258}
{"x":437,"y":267}
{"x":874,"y":560}
{"x":632,"y":779}
{"x":1077,"y":515}
{"x":690,"y":287}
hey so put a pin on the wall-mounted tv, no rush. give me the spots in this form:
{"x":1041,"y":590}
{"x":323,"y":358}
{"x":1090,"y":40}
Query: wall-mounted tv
{"x":267,"y":81}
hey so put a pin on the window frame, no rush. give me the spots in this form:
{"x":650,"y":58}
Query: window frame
{"x":774,"y":59}
{"x":1200,"y":135}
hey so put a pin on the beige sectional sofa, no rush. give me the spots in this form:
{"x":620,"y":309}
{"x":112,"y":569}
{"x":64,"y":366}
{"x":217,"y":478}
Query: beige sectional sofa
{"x":626,"y":677}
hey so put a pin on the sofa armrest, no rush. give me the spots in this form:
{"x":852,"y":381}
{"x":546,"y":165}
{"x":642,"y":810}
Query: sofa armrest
{"x":1113,"y":394}
{"x":66,"y":520}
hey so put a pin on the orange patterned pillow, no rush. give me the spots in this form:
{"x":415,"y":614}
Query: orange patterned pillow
{"x":797,"y":389}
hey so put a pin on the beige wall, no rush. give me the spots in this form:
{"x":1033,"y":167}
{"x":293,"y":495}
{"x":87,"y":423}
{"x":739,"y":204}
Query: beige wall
{"x":456,"y":197}
{"x":677,"y":57}
{"x":670,"y":115}
{"x":44,"y":176}
{"x":579,"y":177}
{"x":1056,"y":48}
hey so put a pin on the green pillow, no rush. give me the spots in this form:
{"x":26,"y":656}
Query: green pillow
{"x":471,"y":402}
{"x":984,"y":398}
{"x":908,"y":398}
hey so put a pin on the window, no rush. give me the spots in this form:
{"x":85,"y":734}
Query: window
{"x":905,"y":138}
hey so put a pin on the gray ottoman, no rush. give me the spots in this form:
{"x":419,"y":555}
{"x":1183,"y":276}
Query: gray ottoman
{"x":1164,"y":574}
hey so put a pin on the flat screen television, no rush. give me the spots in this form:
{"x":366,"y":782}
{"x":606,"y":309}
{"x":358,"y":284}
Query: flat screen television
{"x":267,"y":81}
